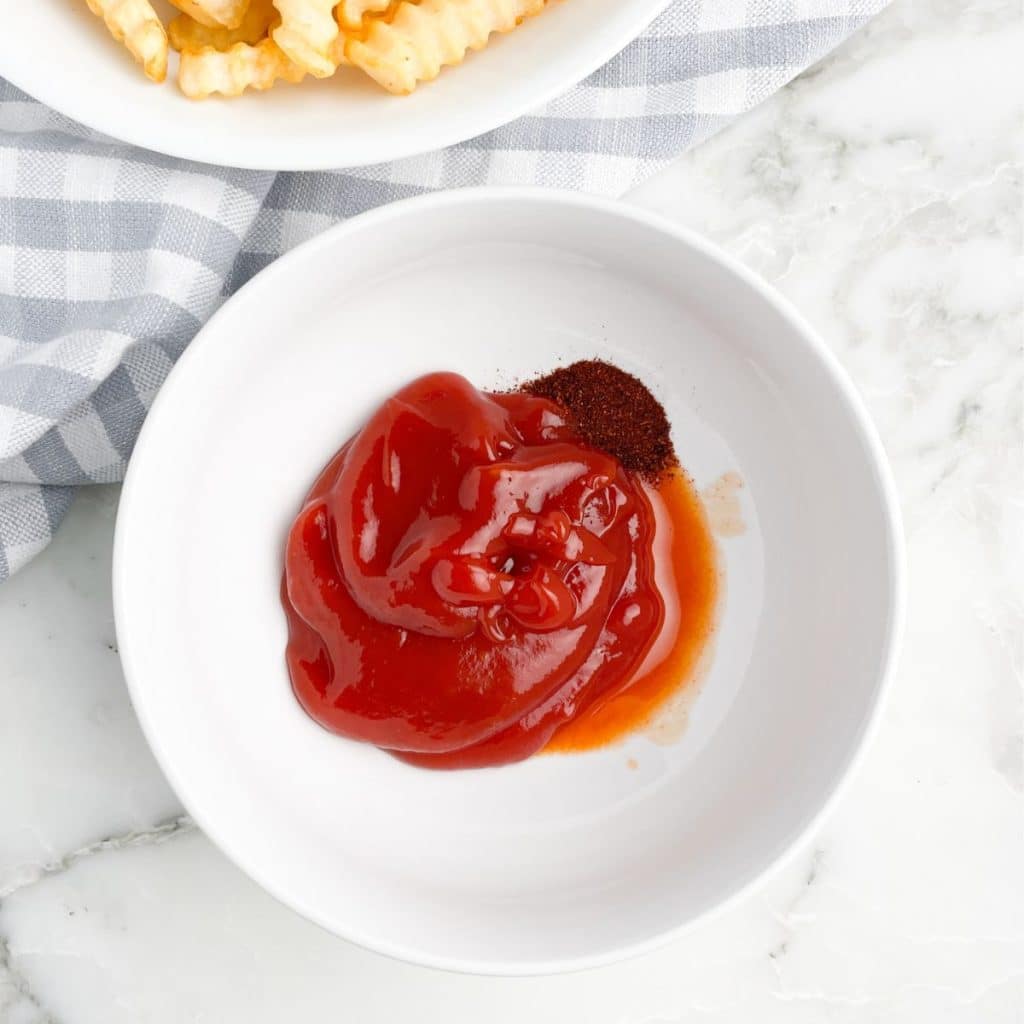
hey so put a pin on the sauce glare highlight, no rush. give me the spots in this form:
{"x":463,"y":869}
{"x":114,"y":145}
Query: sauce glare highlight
{"x":470,"y":577}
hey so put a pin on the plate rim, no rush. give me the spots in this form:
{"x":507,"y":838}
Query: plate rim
{"x":860,"y":419}
{"x":330,"y":153}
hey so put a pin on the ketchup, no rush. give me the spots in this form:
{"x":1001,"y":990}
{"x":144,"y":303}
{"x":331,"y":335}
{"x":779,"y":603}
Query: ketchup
{"x":466,"y":576}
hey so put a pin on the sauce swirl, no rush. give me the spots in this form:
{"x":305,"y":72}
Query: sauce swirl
{"x":468,"y":575}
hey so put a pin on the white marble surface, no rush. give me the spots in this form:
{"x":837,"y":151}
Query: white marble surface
{"x":881,"y":192}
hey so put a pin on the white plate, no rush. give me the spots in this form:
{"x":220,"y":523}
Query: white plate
{"x":564,"y":860}
{"x":58,"y":52}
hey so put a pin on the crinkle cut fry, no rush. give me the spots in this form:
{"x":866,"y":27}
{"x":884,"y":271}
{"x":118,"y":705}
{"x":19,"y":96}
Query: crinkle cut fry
{"x":205,"y":72}
{"x":186,"y":33}
{"x":308,"y":33}
{"x":424,"y":37}
{"x":214,"y":13}
{"x":350,"y":13}
{"x":134,"y":23}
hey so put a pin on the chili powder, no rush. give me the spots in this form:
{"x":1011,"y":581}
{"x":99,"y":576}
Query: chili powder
{"x":613,"y":411}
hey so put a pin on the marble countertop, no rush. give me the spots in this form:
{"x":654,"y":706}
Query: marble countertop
{"x":881,"y":192}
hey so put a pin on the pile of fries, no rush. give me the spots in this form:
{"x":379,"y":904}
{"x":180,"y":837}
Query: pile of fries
{"x":228,"y":46}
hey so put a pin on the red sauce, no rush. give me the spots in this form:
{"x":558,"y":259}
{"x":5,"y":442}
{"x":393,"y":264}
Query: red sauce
{"x":688,"y":578}
{"x":467,"y":576}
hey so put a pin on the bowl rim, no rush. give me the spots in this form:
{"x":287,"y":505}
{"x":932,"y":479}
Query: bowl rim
{"x":333,"y":151}
{"x":854,"y":407}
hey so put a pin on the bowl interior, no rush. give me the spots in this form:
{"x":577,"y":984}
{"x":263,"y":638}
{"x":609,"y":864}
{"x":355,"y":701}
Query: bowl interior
{"x":565,"y":859}
{"x":343,"y":121}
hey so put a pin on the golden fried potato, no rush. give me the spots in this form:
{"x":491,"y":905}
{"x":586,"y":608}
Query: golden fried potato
{"x":214,"y":13}
{"x":134,"y":23}
{"x":187,"y":34}
{"x":424,"y":37}
{"x":350,"y":13}
{"x":202,"y":73}
{"x":308,"y":34}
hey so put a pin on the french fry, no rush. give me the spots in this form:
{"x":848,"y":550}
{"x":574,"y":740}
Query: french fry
{"x":202,"y":73}
{"x":424,"y":37}
{"x":228,"y":46}
{"x":214,"y":13}
{"x":350,"y":13}
{"x":308,"y":34}
{"x":134,"y":23}
{"x":185,"y":33}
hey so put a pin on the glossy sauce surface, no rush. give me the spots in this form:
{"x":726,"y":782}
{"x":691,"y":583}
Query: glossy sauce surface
{"x":467,"y":576}
{"x":687,"y":576}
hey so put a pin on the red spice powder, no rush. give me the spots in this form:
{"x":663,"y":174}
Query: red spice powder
{"x":613,"y":411}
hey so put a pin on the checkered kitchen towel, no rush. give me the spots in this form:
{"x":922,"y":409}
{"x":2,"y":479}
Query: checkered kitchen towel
{"x":111,"y":258}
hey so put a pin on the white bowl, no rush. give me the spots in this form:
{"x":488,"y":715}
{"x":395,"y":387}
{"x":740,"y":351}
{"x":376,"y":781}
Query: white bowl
{"x":564,"y":860}
{"x":61,"y":54}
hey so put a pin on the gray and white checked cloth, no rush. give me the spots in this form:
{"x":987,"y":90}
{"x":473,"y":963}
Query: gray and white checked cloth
{"x":112,"y":258}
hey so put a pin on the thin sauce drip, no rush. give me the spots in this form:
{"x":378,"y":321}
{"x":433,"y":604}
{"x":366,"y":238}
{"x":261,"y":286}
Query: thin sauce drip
{"x":685,"y":554}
